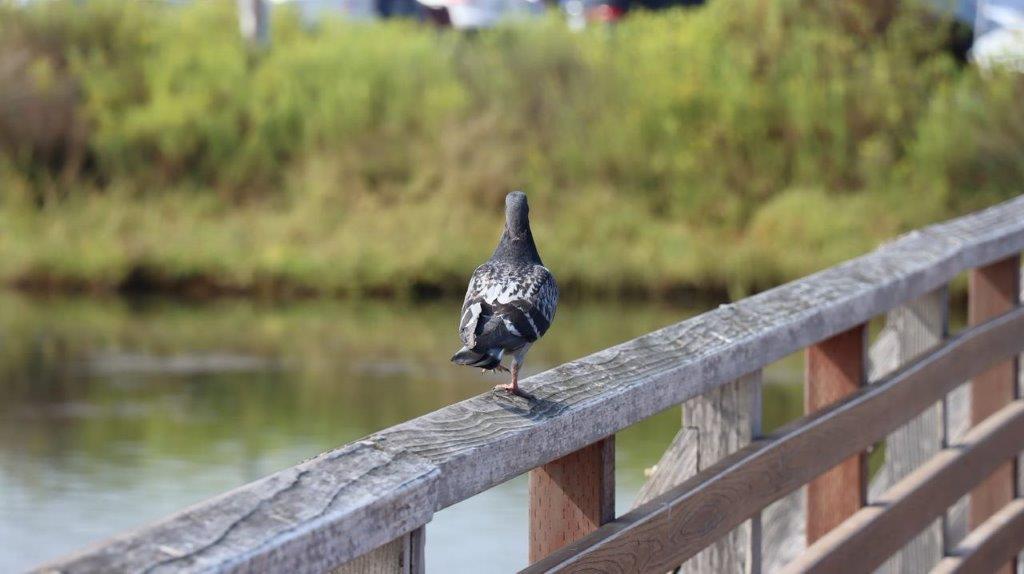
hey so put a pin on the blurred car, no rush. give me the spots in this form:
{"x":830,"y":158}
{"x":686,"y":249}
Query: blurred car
{"x":582,"y":12}
{"x":475,"y":14}
{"x":311,"y":11}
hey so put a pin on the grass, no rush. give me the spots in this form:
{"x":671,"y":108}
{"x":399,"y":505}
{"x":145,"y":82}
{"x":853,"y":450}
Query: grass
{"x":726,"y":148}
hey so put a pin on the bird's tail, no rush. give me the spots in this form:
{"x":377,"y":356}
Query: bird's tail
{"x":487,"y":360}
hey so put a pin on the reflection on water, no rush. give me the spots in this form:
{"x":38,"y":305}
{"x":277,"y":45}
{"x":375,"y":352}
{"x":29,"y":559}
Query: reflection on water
{"x":116,"y":413}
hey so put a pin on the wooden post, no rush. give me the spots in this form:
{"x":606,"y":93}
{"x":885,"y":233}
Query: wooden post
{"x":571,"y":497}
{"x":722,"y":421}
{"x":715,"y":425}
{"x":912,"y":329}
{"x":403,"y":555}
{"x":993,"y":290}
{"x":833,"y":369}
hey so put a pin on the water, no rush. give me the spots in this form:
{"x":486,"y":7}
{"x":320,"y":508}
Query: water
{"x":117,"y":413}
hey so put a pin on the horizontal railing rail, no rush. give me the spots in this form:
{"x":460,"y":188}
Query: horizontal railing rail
{"x":673,"y":527}
{"x":989,"y":546}
{"x":359,"y":497}
{"x":866,"y":539}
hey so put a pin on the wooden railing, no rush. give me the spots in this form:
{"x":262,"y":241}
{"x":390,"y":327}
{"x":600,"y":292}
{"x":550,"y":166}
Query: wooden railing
{"x":364,"y":506}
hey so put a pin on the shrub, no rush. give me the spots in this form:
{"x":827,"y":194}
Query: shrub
{"x":731,"y":146}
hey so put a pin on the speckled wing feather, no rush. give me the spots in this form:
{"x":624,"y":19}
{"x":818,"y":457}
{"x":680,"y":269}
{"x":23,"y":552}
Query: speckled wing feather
{"x":507,"y":306}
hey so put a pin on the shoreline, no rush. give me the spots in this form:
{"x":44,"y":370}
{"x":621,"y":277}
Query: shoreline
{"x":207,"y":289}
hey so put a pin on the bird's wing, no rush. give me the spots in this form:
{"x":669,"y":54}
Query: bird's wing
{"x":525,"y":301}
{"x":546,"y":299}
{"x":507,"y":307}
{"x":473,"y":306}
{"x":530,"y":307}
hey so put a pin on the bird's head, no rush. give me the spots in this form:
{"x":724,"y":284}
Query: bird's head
{"x":517,"y":214}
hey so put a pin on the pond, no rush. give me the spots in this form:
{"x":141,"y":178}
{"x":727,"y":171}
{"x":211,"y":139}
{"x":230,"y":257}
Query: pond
{"x":114,"y":413}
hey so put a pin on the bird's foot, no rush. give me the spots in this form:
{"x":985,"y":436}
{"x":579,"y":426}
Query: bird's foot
{"x":509,"y":388}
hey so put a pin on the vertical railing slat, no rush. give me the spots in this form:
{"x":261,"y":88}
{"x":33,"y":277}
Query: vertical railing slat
{"x":835,"y":368}
{"x":571,"y":497}
{"x":912,"y":329}
{"x":715,"y":424}
{"x":993,"y":290}
{"x":403,"y":555}
{"x":722,"y":422}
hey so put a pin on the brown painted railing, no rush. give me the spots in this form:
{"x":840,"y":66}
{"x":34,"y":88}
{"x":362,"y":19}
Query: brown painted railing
{"x":715,"y":496}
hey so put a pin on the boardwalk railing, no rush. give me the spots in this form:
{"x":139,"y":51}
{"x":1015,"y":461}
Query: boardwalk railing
{"x":364,"y":507}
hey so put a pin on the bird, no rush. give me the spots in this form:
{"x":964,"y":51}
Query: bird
{"x":510,"y":301}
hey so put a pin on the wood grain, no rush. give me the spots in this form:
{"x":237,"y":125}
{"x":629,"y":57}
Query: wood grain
{"x":571,"y":497}
{"x":403,"y":555}
{"x":989,"y":546}
{"x":833,"y":370}
{"x":992,"y":290}
{"x":784,"y":530}
{"x":714,"y":425}
{"x":863,"y":542}
{"x":308,"y":511}
{"x":456,"y":452}
{"x":676,"y":525}
{"x":387,"y":559}
{"x":911,"y":329}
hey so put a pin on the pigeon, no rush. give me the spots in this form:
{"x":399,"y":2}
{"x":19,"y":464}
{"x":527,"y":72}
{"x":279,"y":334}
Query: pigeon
{"x":510,"y":302}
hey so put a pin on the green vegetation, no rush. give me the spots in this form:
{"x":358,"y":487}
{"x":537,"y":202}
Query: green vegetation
{"x":729,"y":147}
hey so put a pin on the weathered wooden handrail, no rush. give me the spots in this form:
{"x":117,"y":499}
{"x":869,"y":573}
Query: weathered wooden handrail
{"x":675,"y":526}
{"x":344,"y":503}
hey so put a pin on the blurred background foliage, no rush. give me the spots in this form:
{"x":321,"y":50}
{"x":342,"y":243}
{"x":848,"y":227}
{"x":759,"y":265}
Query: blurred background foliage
{"x":726,"y":148}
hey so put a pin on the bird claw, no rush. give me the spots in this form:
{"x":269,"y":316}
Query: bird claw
{"x":510,"y":389}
